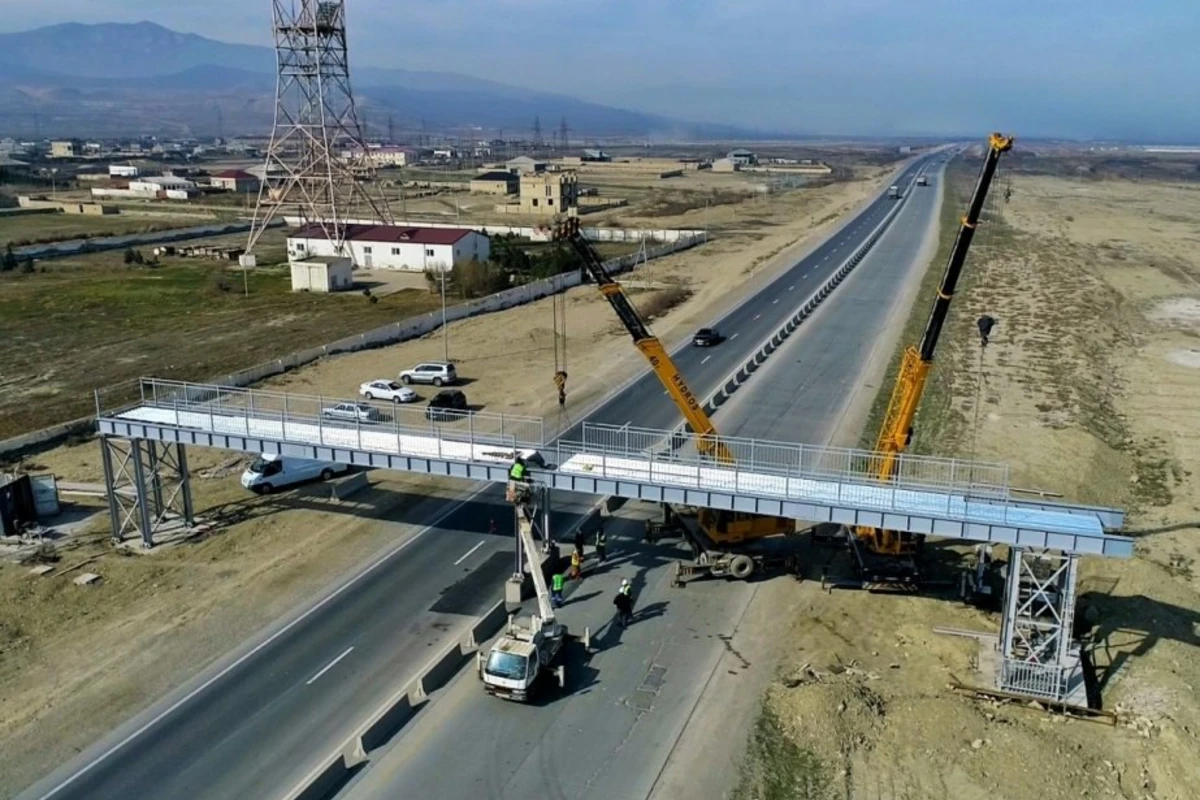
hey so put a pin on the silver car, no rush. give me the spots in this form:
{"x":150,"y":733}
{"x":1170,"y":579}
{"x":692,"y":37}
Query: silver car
{"x":435,"y":372}
{"x":352,"y":412}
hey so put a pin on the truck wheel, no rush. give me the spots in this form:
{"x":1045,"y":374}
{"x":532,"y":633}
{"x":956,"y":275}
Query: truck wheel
{"x":326,"y":474}
{"x":266,"y":488}
{"x":741,"y":567}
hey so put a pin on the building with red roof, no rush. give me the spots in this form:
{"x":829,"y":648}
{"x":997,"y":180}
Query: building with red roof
{"x":235,"y":180}
{"x":402,"y":247}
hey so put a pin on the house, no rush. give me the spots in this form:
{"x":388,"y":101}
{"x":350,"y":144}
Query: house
{"x":495,"y":182}
{"x":322,"y":274}
{"x":549,"y":193}
{"x":123,"y":171}
{"x":383,"y":156}
{"x":524,"y":165}
{"x":67,"y":148}
{"x":725,"y":165}
{"x":743,"y":158}
{"x":170,"y":187}
{"x":235,"y":180}
{"x":394,"y":246}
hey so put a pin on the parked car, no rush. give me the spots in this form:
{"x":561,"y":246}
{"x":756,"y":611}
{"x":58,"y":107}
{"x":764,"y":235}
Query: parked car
{"x":387,"y":390}
{"x":706,"y":337}
{"x":436,"y":372}
{"x":447,"y":404}
{"x":352,"y":412}
{"x":270,"y":472}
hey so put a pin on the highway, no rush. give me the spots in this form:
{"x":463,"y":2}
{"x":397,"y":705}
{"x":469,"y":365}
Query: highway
{"x":614,"y":729}
{"x":255,"y":722}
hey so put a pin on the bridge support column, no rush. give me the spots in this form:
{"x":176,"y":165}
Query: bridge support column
{"x":1037,"y":655}
{"x":147,"y":486}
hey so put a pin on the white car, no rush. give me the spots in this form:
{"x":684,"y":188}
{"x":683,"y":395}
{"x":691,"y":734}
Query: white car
{"x":436,"y":372}
{"x":352,"y":412}
{"x":387,"y":390}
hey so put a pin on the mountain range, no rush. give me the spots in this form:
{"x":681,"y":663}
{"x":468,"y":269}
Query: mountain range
{"x":129,"y":79}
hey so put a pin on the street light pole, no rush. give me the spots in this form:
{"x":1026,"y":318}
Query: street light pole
{"x":445,"y":330}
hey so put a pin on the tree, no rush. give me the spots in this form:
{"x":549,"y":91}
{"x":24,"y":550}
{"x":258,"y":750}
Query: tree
{"x":9,"y":262}
{"x":27,"y":265}
{"x":138,"y":258}
{"x":129,"y":256}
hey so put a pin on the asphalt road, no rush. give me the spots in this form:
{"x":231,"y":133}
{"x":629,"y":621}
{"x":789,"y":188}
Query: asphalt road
{"x":611,"y":732}
{"x":255,"y":722}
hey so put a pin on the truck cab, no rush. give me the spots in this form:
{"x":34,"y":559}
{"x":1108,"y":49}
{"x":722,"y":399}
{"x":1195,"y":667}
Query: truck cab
{"x":511,"y":669}
{"x":894,"y":192}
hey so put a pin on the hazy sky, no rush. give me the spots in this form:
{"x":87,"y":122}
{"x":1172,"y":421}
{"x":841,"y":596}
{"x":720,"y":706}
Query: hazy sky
{"x":1082,"y":68}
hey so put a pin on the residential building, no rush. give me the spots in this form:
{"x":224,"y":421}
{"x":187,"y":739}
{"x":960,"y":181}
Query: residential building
{"x":322,"y":274}
{"x":725,"y":165}
{"x":168,"y":186}
{"x":495,"y":182}
{"x":123,"y":171}
{"x":524,"y":165}
{"x":384,"y":156}
{"x":394,"y":246}
{"x":67,"y":148}
{"x":235,"y":180}
{"x":743,"y":158}
{"x":549,"y":193}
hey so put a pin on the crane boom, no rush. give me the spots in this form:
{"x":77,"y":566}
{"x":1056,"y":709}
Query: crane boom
{"x":648,"y":344}
{"x":896,"y":432}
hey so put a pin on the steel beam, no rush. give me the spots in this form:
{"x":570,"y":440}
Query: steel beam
{"x":147,"y":484}
{"x":1038,"y":657}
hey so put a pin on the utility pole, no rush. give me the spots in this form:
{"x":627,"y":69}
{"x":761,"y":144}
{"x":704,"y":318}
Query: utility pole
{"x":391,"y":128}
{"x":537,"y":132}
{"x":445,"y":327}
{"x":563,"y":132}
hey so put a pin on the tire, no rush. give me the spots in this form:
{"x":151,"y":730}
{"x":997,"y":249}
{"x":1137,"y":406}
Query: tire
{"x":326,"y":474}
{"x":405,"y":380}
{"x":741,"y":567}
{"x":437,"y":381}
{"x":369,"y":396}
{"x":396,"y":400}
{"x":265,"y":488}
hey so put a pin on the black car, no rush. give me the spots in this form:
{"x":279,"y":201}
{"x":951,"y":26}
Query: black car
{"x":706,"y":337}
{"x":447,"y":404}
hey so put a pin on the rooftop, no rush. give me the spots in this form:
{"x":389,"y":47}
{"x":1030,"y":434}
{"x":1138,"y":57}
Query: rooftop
{"x":388,"y":233}
{"x":236,"y":174}
{"x":495,"y":175}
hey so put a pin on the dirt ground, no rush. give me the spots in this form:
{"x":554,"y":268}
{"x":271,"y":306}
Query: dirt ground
{"x":1089,"y":390}
{"x":75,"y":661}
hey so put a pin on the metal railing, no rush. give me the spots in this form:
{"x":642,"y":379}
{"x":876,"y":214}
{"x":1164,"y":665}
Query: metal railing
{"x":673,"y":455}
{"x":380,"y":427}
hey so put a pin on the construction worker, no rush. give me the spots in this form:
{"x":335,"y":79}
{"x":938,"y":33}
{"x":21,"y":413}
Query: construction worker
{"x":556,"y":589}
{"x":576,"y":565}
{"x":601,"y":544}
{"x":517,"y":471}
{"x":624,"y":604}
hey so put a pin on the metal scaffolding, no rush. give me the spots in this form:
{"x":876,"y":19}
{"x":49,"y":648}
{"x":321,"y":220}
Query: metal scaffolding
{"x":147,"y":486}
{"x":1038,"y":656}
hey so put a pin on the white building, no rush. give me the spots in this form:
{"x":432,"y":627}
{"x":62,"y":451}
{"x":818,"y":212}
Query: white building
{"x":395,"y":246}
{"x":383,"y":156}
{"x":322,"y":274}
{"x":123,"y":171}
{"x":168,"y":185}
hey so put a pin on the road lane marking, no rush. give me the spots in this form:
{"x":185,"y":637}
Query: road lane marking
{"x":467,"y":554}
{"x":86,"y":768}
{"x":793,"y":286}
{"x":328,"y":667}
{"x":776,"y":300}
{"x":756,"y":316}
{"x":731,"y":338}
{"x":804,"y":277}
{"x":706,"y":358}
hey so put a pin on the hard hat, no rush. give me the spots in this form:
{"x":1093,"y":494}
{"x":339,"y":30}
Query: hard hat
{"x":624,"y":581}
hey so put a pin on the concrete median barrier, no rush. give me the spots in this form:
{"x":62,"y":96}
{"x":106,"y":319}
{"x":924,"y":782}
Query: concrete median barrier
{"x":489,"y":624}
{"x":349,"y":486}
{"x":323,"y":782}
{"x":441,"y":670}
{"x":386,"y":721}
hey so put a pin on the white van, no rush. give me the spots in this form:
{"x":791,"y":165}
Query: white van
{"x":270,"y":472}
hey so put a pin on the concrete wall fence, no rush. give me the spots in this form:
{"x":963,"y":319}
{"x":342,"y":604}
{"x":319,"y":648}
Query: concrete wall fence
{"x":542,"y":232}
{"x":402,"y":331}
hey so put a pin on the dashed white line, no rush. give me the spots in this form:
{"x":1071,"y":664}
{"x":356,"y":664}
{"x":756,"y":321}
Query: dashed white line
{"x":803,"y":277}
{"x":705,"y":360}
{"x":467,"y":554}
{"x":731,"y":338}
{"x":756,"y":316}
{"x":776,"y":300}
{"x":328,"y":666}
{"x":793,"y":286}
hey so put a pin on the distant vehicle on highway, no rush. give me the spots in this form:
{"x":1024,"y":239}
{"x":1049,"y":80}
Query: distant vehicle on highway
{"x":352,"y":412}
{"x":707,"y":337}
{"x":894,"y":192}
{"x":437,"y":373}
{"x":387,"y":390}
{"x":270,"y":472}
{"x":448,"y":404}
{"x":922,"y":181}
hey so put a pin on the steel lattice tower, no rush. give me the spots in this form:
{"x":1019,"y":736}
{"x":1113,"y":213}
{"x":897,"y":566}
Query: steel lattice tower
{"x":316,"y":166}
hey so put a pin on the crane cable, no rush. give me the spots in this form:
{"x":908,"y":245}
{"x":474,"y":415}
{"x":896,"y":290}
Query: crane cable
{"x":558,"y":306}
{"x":990,"y":218}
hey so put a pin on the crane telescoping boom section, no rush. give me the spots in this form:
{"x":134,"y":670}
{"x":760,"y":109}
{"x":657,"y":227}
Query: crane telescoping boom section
{"x":649,"y":345}
{"x":896,"y":432}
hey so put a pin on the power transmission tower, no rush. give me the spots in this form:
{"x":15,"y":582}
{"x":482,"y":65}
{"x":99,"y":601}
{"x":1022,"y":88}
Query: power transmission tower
{"x":220,"y":125}
{"x":537,"y":132}
{"x":391,"y":128}
{"x":563,"y":132}
{"x":316,"y":165}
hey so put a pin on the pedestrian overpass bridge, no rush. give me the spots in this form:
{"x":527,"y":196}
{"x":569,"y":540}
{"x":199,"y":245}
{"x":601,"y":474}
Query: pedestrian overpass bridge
{"x":144,"y":434}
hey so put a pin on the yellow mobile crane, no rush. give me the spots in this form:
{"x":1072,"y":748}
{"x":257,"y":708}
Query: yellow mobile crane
{"x":885,"y":556}
{"x":725,"y":543}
